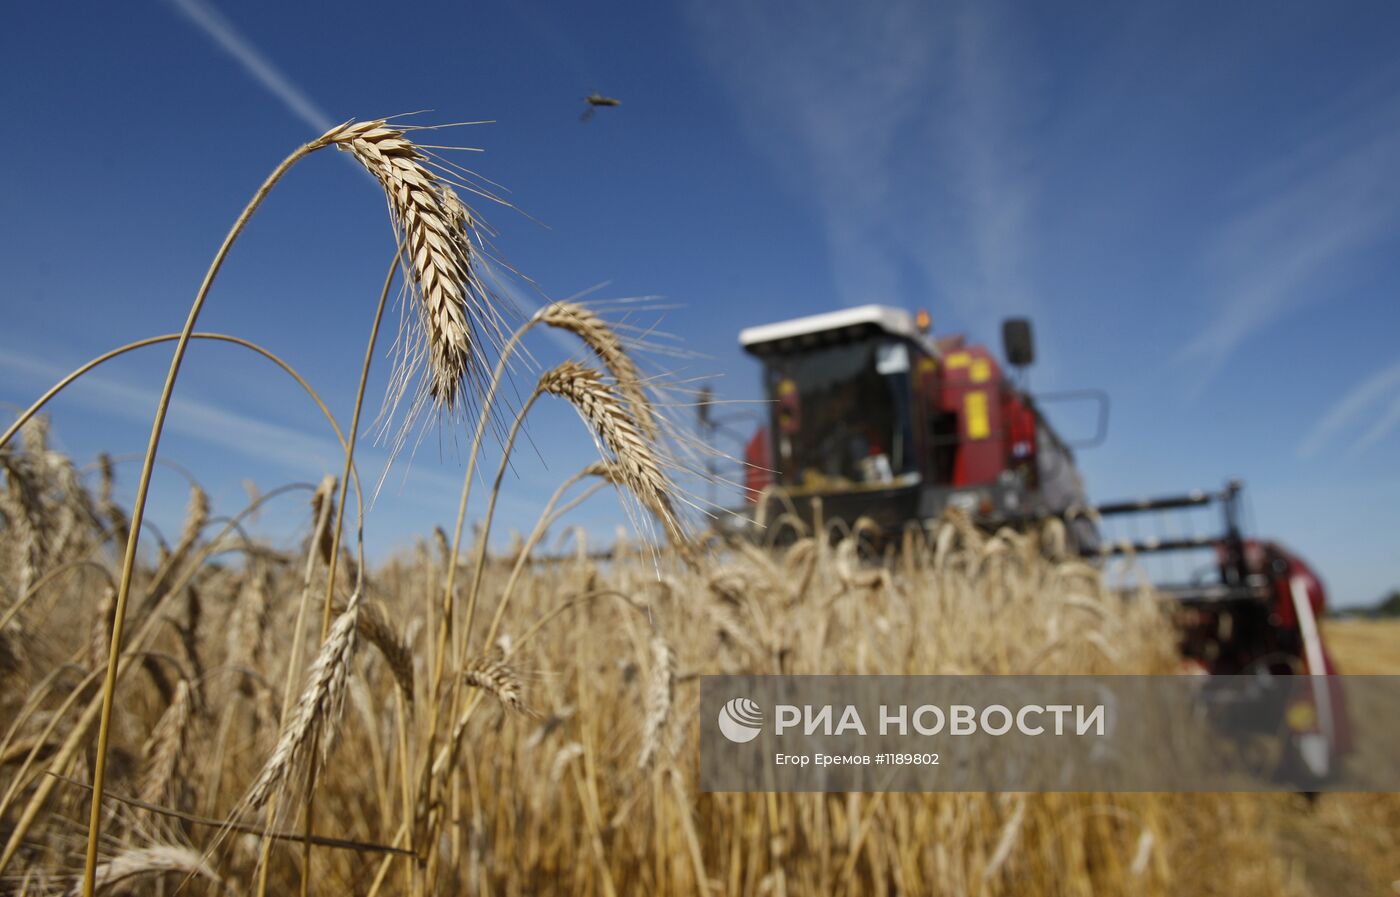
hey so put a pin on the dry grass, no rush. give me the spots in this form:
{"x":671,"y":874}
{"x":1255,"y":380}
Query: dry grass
{"x":1365,"y":647}
{"x":556,"y":754}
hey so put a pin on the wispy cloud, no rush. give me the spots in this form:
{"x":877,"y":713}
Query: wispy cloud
{"x":289,"y":449}
{"x":902,"y":129}
{"x":1301,"y":222}
{"x":992,"y":161}
{"x":1386,"y":423}
{"x":251,"y":60}
{"x":285,"y":447}
{"x":827,"y":93}
{"x":1349,"y":411}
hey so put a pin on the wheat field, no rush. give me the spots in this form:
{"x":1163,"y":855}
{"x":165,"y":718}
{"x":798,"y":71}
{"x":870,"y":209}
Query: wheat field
{"x":286,"y":718}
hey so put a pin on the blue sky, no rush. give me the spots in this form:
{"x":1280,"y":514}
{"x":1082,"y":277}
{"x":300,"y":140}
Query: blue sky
{"x":1198,"y":204}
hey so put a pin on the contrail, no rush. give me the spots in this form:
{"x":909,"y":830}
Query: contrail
{"x":222,"y":32}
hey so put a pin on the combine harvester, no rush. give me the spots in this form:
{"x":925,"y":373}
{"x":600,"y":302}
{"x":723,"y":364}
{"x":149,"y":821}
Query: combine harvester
{"x":871,"y":417}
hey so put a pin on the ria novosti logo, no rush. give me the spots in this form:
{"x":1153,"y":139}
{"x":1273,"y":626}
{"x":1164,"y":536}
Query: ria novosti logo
{"x":740,"y":720}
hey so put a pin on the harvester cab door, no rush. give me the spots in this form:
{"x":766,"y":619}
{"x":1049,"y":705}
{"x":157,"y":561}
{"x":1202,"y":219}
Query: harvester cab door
{"x":939,"y":426}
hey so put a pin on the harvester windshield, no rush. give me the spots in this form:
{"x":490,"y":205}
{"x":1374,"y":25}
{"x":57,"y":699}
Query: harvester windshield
{"x":869,"y":417}
{"x":841,"y":414}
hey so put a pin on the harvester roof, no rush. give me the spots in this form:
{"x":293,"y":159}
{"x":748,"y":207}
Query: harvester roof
{"x":835,"y":326}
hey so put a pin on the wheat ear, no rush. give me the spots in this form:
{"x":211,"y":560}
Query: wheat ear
{"x":164,"y":748}
{"x":384,"y":151}
{"x":247,"y":622}
{"x":658,"y":701}
{"x":135,"y":862}
{"x":584,"y":323}
{"x":375,"y":628}
{"x":23,"y":511}
{"x":324,"y":494}
{"x":490,"y":673}
{"x":107,"y":506}
{"x":312,"y":721}
{"x":493,"y":675}
{"x":636,"y":461}
{"x":196,"y":516}
{"x":436,"y":230}
{"x":562,"y":758}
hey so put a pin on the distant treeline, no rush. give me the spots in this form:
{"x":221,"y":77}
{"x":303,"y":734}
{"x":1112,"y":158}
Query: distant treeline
{"x":1389,"y":606}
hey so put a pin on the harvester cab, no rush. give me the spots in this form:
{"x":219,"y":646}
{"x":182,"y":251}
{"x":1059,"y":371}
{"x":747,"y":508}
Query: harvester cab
{"x":871,"y":417}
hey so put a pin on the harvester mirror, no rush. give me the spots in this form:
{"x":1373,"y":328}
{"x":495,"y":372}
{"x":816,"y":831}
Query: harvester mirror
{"x":1017,"y":340}
{"x":1081,"y":415}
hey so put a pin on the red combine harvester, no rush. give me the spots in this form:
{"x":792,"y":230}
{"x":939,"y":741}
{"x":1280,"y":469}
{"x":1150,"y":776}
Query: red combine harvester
{"x":871,"y":417}
{"x":874,"y":418}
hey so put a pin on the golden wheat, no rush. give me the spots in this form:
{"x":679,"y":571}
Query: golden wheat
{"x":493,"y":675}
{"x":533,"y":791}
{"x":604,"y":342}
{"x":455,"y":310}
{"x":143,"y":862}
{"x":658,"y":701}
{"x":165,"y":747}
{"x":374,"y":627}
{"x":312,"y":722}
{"x":638,"y":466}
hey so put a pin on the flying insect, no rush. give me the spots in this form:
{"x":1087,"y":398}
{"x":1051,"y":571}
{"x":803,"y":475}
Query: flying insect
{"x":595,"y":102}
